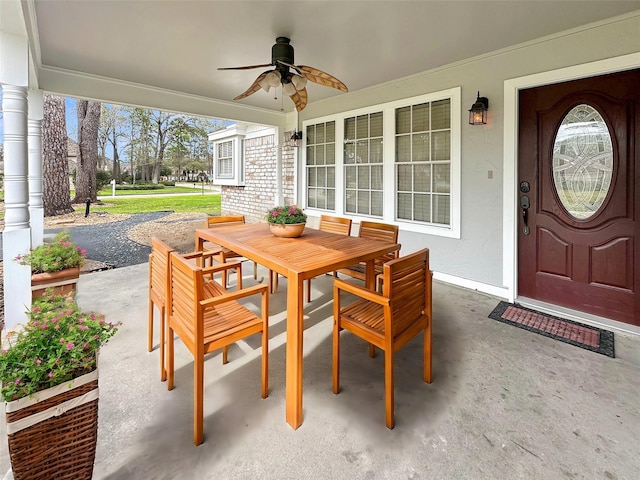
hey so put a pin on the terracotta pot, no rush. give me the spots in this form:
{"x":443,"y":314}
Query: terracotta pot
{"x":288,"y":230}
{"x":63,"y":281}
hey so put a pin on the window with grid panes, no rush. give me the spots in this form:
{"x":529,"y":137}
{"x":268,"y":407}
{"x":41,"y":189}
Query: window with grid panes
{"x":225,"y":159}
{"x":423,"y":162}
{"x":320,"y":166}
{"x":363,"y":164}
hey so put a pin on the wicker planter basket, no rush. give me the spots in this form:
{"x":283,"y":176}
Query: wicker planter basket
{"x":54,"y":434}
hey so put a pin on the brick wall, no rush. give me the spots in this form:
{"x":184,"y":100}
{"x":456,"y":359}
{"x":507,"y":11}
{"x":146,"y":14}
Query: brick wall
{"x":259,"y":191}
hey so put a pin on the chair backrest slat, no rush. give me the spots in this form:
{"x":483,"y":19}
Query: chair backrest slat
{"x":385,"y":232}
{"x":159,"y":265}
{"x":184,"y":293}
{"x":339,"y":225}
{"x":405,"y":282}
{"x":213,"y":221}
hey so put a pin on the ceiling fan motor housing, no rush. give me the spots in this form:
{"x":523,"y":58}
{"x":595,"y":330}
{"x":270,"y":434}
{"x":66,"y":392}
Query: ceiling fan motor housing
{"x":282,"y":50}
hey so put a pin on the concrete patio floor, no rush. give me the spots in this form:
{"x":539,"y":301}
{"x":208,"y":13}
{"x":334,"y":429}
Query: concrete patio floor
{"x":504,"y":403}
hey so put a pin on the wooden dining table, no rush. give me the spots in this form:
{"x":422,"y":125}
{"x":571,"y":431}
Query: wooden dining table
{"x":298,"y":259}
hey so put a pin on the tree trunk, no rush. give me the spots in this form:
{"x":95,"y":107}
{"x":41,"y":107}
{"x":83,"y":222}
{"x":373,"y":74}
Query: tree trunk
{"x":88,"y":121}
{"x":56,"y":196}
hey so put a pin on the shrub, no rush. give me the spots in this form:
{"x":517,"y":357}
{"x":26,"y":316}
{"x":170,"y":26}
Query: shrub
{"x":59,"y":343}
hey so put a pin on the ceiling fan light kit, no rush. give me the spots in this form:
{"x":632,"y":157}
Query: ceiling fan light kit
{"x":293,"y":84}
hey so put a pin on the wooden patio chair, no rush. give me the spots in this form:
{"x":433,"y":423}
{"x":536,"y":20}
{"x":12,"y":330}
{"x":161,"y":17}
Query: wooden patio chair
{"x":206,"y":321}
{"x":328,"y":223}
{"x":378,"y":231}
{"x":159,"y":287}
{"x":389,"y":319}
{"x":222,"y":254}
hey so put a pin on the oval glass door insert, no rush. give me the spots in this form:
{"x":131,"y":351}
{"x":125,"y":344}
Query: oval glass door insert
{"x":582,"y":161}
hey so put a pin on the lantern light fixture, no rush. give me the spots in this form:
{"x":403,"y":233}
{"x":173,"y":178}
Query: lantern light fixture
{"x":478,"y":111}
{"x":296,"y":138}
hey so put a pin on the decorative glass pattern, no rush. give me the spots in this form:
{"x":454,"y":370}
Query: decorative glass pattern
{"x":582,"y":161}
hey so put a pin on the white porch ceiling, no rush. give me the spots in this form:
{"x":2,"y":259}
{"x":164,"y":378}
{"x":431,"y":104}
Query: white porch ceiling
{"x":178,"y":45}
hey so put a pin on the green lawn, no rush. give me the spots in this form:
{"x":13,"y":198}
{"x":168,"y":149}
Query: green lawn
{"x":107,"y":191}
{"x":194,"y":203}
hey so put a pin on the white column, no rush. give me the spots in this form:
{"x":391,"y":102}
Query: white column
{"x":16,"y":238}
{"x":36,"y":208}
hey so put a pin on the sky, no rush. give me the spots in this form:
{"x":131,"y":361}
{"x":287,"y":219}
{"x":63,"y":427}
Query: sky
{"x":71,"y":118}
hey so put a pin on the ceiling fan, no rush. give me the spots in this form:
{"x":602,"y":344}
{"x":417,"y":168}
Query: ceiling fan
{"x":293,"y":83}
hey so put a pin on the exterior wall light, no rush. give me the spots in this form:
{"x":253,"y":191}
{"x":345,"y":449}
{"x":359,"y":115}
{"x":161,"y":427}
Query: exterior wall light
{"x":296,"y":138}
{"x":478,"y":111}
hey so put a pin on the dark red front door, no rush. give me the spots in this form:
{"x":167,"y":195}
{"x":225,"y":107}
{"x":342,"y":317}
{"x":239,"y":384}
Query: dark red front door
{"x":579,"y":176}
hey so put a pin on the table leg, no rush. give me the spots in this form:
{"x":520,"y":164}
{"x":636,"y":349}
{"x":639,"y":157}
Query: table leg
{"x":370,"y":275}
{"x":295,"y":314}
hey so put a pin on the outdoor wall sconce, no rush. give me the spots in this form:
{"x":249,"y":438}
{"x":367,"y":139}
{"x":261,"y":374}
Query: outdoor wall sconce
{"x":478,"y":111}
{"x":296,"y":138}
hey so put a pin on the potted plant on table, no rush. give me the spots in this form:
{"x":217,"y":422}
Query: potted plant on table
{"x":286,"y":221}
{"x":49,"y":377}
{"x":54,"y":265}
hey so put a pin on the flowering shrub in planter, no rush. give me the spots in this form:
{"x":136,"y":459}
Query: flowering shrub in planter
{"x":56,"y":264}
{"x":286,"y":214}
{"x":49,"y":377}
{"x":58,"y":255}
{"x":58,"y":343}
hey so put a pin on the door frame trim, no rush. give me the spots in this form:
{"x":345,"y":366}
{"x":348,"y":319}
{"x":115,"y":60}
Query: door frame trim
{"x":510,"y":147}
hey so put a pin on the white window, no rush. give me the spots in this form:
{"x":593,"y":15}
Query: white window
{"x":228,"y":158}
{"x":399,"y":163}
{"x":363,"y":162}
{"x":224,"y":154}
{"x":423,"y":163}
{"x":320,"y":166}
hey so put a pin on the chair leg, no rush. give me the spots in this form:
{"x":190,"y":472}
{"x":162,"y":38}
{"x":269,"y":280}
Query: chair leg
{"x":427,"y":353}
{"x":198,"y":400}
{"x":273,"y":282}
{"x":388,"y":388}
{"x":150,"y":327}
{"x":265,"y":363}
{"x":225,"y":354}
{"x":163,"y":326}
{"x":255,"y":271}
{"x":308,"y":290}
{"x":170,"y":347}
{"x":336,"y":357}
{"x":372,"y":351}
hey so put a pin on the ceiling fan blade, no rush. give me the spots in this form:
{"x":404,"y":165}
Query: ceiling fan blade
{"x":248,"y":67}
{"x":299,"y":97}
{"x":255,"y":86}
{"x":318,"y":76}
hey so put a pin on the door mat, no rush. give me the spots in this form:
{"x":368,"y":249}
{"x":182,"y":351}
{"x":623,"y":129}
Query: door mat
{"x":583,"y":336}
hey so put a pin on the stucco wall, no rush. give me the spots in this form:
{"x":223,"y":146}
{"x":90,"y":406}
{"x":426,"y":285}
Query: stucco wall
{"x":478,"y":255}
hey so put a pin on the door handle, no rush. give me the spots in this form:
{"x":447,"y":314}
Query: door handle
{"x":524,"y":206}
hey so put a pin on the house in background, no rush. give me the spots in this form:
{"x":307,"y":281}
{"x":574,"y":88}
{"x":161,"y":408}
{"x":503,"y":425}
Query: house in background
{"x":504,"y":206}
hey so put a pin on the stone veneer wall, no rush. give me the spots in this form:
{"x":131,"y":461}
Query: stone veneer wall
{"x":259,"y":191}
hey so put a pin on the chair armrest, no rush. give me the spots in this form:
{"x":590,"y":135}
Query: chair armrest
{"x":227,"y":297}
{"x":204,"y":254}
{"x":361,"y":292}
{"x":221,"y":266}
